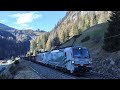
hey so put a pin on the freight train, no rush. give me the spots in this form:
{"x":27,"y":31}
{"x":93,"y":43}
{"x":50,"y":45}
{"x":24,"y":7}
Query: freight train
{"x":72,"y":59}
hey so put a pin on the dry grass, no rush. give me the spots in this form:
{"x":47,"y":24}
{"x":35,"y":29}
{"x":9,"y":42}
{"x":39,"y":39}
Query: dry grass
{"x":94,"y":32}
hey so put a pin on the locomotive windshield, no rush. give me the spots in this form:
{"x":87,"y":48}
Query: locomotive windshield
{"x":85,"y":53}
{"x":80,"y":52}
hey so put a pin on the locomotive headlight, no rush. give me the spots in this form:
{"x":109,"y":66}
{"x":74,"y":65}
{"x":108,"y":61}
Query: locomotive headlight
{"x":72,"y":61}
{"x":89,"y":61}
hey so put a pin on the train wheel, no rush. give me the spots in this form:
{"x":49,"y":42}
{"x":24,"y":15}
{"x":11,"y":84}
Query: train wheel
{"x":64,"y":70}
{"x":67,"y":71}
{"x":55,"y":67}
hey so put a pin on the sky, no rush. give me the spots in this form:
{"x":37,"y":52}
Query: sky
{"x":43,"y":20}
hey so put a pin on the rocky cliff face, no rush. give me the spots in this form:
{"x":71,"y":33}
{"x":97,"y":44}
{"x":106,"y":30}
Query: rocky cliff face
{"x":92,"y":17}
{"x":86,"y":18}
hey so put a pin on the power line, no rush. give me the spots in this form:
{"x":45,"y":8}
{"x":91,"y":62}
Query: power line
{"x":112,"y":36}
{"x":101,"y":39}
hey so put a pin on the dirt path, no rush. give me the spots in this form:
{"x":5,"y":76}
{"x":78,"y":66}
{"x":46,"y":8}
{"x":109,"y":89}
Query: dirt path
{"x":24,"y":72}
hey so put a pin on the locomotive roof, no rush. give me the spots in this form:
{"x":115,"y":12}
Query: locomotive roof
{"x":79,"y":47}
{"x":57,"y":50}
{"x":72,"y":47}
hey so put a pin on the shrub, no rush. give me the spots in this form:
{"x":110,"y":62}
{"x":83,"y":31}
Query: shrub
{"x":97,"y":39}
{"x":0,"y":76}
{"x":97,"y":35}
{"x":16,"y":62}
{"x":12,"y":69}
{"x":85,"y":39}
{"x":3,"y":76}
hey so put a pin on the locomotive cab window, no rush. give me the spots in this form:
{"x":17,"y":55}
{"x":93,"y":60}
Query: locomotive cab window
{"x":85,"y":53}
{"x":80,"y":52}
{"x":77,"y":52}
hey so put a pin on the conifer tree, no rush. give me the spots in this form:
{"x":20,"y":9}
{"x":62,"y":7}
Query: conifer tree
{"x":66,"y":35}
{"x":55,"y":42}
{"x":48,"y":44}
{"x":112,"y":36}
{"x":62,"y":36}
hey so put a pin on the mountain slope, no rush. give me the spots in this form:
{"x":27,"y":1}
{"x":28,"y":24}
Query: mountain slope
{"x":76,"y":22}
{"x":5,"y":27}
{"x":6,"y":34}
{"x":9,"y":46}
{"x":95,"y":41}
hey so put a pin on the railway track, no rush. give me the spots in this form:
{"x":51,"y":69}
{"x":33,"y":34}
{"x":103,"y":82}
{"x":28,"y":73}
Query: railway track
{"x":100,"y":75}
{"x":47,"y":73}
{"x":94,"y":75}
{"x":50,"y":73}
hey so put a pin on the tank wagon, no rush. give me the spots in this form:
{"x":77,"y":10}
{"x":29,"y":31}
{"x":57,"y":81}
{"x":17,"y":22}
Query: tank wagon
{"x":72,"y":59}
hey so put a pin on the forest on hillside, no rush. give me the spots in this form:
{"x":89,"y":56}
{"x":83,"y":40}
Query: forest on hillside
{"x":71,"y":25}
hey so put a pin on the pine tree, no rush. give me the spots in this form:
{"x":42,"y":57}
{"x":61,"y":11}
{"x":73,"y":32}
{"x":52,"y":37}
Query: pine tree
{"x":44,"y":40}
{"x":48,"y":44}
{"x":112,"y":36}
{"x":74,"y":31}
{"x":55,"y":42}
{"x":62,"y":36}
{"x":33,"y":45}
{"x":66,"y":35}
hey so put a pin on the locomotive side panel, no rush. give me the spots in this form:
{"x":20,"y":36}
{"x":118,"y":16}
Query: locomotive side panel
{"x":39,"y":58}
{"x":56,"y":58}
